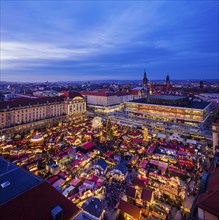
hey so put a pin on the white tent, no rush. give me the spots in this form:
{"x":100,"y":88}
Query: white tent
{"x":175,"y":137}
{"x":191,"y":141}
{"x":160,"y":135}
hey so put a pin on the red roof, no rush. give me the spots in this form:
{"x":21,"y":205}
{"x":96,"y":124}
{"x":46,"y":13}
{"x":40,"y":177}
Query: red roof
{"x":74,"y":94}
{"x":146,"y":194}
{"x":137,"y":141}
{"x":100,"y":93}
{"x":87,"y":145}
{"x":37,"y":203}
{"x":130,"y":209}
{"x":76,"y":162}
{"x":109,"y":153}
{"x":209,"y":202}
{"x":53,"y":179}
{"x":130,"y":192}
{"x":134,"y":133}
{"x":30,"y":102}
{"x":134,"y":92}
{"x":105,"y":93}
{"x":137,"y":182}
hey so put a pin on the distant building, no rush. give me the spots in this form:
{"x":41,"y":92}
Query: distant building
{"x":106,"y":101}
{"x":157,"y":87}
{"x":7,"y":94}
{"x":45,"y":93}
{"x":211,"y":97}
{"x":145,"y":80}
{"x":25,"y":196}
{"x":168,"y":85}
{"x":177,"y":109}
{"x":139,"y":92}
{"x":201,"y":85}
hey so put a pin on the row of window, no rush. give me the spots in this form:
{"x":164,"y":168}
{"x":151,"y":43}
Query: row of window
{"x":142,"y":108}
{"x":77,"y":108}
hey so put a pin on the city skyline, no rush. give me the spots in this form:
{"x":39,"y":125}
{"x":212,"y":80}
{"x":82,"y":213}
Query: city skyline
{"x":72,"y":41}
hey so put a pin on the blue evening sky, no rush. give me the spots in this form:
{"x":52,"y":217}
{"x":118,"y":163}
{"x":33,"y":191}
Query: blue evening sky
{"x":97,"y":40}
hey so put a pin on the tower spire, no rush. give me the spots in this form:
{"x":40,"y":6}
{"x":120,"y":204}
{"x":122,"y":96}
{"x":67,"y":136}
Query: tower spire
{"x":145,"y":80}
{"x":167,"y":78}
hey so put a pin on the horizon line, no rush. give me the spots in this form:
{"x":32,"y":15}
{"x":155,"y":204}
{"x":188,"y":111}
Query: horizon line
{"x":71,"y":81}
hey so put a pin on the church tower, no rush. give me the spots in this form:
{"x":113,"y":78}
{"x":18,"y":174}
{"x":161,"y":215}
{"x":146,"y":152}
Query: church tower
{"x":167,"y":80}
{"x":168,"y":86}
{"x":145,"y":80}
{"x":201,"y":84}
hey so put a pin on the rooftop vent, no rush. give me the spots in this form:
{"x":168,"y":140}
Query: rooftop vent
{"x":57,"y":213}
{"x":5,"y":184}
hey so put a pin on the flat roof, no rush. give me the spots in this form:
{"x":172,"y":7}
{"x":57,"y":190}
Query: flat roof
{"x":167,"y":97}
{"x":190,"y":104}
{"x":18,"y":181}
{"x":212,"y":95}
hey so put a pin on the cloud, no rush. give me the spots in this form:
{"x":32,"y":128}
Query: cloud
{"x":106,"y":37}
{"x":23,"y":55}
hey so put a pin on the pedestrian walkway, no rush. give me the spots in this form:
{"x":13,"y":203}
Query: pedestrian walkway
{"x":178,"y":216}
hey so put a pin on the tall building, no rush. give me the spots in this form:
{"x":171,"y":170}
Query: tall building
{"x":167,"y":82}
{"x":201,"y":84}
{"x":145,"y":80}
{"x":167,"y":79}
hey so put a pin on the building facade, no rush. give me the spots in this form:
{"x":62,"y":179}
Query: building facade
{"x":105,"y":98}
{"x":176,"y":109}
{"x":21,"y":112}
{"x":215,"y":134}
{"x":105,"y":101}
{"x":145,"y":80}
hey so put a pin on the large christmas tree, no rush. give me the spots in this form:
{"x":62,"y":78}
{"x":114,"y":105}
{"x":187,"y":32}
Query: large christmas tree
{"x":109,"y":130}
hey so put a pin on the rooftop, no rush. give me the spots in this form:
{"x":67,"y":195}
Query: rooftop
{"x":104,"y":93}
{"x":167,"y":97}
{"x":175,"y":101}
{"x":94,"y":206}
{"x":37,"y":203}
{"x":209,"y":200}
{"x":18,"y":181}
{"x":102,"y":163}
{"x":121,"y":167}
{"x":23,"y":102}
{"x":26,"y":196}
{"x":130,"y":209}
{"x":130,"y":191}
{"x":146,"y":194}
